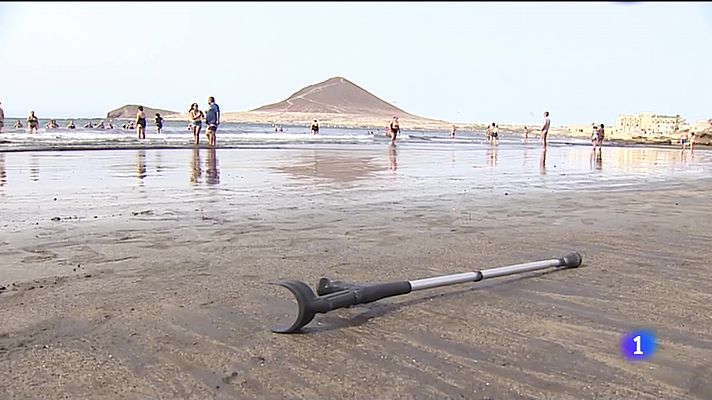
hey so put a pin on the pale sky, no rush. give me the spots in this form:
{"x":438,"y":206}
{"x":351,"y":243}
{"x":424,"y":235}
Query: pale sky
{"x":464,"y":62}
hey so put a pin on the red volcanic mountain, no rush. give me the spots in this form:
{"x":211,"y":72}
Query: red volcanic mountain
{"x":336,"y":96}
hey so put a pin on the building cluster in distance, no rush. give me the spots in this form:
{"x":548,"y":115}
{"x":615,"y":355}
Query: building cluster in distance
{"x":647,"y":124}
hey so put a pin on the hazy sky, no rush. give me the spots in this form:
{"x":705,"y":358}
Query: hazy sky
{"x":474,"y":62}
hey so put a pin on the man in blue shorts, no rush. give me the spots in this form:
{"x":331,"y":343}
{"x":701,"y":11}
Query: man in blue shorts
{"x":212,"y":118}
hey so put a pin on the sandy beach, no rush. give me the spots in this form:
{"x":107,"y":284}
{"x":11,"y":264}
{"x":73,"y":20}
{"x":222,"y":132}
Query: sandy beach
{"x":143,"y":274}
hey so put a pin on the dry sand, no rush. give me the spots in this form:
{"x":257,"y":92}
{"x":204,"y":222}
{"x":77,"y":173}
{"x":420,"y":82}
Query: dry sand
{"x":148,"y":288}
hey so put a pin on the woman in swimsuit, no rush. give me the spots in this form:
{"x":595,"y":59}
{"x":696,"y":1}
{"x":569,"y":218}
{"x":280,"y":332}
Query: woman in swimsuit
{"x":394,"y":128}
{"x":32,"y":122}
{"x":314,"y":127}
{"x":141,"y":123}
{"x":196,"y":121}
{"x":594,"y":135}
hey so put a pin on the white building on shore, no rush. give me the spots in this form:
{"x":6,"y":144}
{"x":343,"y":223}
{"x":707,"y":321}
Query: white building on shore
{"x":648,"y":123}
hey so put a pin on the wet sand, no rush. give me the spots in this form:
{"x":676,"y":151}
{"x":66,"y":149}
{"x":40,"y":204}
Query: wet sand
{"x":143,"y":273}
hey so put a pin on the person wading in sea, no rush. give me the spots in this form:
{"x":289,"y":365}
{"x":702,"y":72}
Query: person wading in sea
{"x":394,"y":128}
{"x":212,"y":119}
{"x":545,"y":129}
{"x":141,"y":123}
{"x":196,"y":121}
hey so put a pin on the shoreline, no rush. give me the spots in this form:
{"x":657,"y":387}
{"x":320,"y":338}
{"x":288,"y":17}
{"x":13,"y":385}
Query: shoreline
{"x":378,"y":123}
{"x":287,"y":145}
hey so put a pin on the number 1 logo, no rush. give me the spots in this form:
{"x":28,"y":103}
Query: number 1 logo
{"x":637,"y":351}
{"x":638,"y":345}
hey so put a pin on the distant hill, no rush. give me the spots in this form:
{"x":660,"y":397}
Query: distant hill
{"x":335,"y":96}
{"x":129,"y":111}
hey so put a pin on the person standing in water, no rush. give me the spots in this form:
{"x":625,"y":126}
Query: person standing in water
{"x":494,"y":134}
{"x":2,"y":118}
{"x":545,"y":128}
{"x":601,"y":135}
{"x":452,"y":132}
{"x":526,"y":133}
{"x":32,"y":123}
{"x":684,"y":137}
{"x":71,"y":125}
{"x":394,"y":127}
{"x":140,"y":123}
{"x":196,"y":121}
{"x":212,"y":118}
{"x":159,"y":123}
{"x":693,"y":140}
{"x":314,"y":127}
{"x":594,"y":135}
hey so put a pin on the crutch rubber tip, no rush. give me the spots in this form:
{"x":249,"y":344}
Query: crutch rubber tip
{"x":571,"y":260}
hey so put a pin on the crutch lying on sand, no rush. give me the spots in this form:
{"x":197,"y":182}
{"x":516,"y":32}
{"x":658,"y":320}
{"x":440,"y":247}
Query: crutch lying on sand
{"x":334,"y":294}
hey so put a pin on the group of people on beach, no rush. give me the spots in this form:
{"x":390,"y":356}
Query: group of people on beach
{"x":211,"y":117}
{"x":597,"y":134}
{"x":687,"y":138}
{"x":33,"y":124}
{"x":492,"y":132}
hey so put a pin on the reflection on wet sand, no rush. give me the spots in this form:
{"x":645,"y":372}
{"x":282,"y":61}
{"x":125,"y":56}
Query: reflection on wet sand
{"x":3,"y":173}
{"x":492,"y":156}
{"x":34,"y":167}
{"x":195,"y":167}
{"x":141,"y":165}
{"x":212,"y":171}
{"x":596,"y":159}
{"x":393,"y":157}
{"x":159,"y":162}
{"x":333,"y":166}
{"x":633,"y":160}
{"x":542,"y":162}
